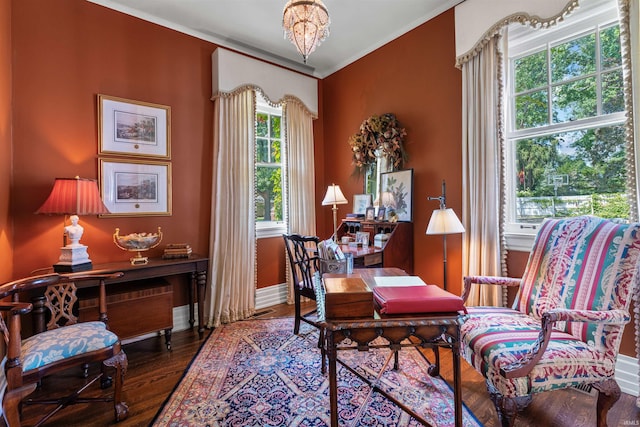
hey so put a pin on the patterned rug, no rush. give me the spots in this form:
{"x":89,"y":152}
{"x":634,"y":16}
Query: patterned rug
{"x":257,"y":373}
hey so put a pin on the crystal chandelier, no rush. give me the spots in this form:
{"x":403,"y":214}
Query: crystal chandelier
{"x":306,"y":24}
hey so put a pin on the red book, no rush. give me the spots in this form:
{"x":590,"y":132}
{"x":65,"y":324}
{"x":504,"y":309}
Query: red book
{"x":416,"y":299}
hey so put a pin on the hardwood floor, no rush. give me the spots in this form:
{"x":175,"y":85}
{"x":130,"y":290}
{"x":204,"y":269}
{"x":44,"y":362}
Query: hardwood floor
{"x":153,"y":373}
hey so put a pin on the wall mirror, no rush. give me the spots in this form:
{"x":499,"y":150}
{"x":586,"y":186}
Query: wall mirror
{"x":372,"y":176}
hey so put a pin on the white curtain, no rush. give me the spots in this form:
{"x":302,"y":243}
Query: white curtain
{"x":482,"y":141}
{"x":232,"y":248}
{"x":301,"y":175}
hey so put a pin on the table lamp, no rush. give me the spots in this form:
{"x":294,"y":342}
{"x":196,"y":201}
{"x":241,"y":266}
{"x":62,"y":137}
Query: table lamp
{"x":74,"y":197}
{"x":444,"y":221}
{"x":334,"y":197}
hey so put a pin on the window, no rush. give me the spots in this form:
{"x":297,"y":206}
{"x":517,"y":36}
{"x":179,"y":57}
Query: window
{"x":270,"y":173}
{"x":565,"y":122}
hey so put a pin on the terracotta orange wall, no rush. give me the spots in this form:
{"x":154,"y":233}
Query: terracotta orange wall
{"x":415,"y":78}
{"x":65,"y":53}
{"x":6,"y":251}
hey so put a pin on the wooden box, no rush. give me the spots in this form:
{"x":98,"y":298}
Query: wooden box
{"x":347,"y":297}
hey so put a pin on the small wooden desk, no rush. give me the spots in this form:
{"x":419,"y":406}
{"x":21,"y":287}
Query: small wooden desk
{"x":441,"y":330}
{"x":196,"y":266}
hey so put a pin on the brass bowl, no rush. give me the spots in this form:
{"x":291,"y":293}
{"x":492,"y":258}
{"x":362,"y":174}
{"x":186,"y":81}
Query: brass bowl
{"x":137,"y":242}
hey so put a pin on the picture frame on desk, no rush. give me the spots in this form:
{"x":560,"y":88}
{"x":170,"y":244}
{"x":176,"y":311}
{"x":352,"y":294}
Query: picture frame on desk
{"x":397,"y":191}
{"x":370,"y":214}
{"x":361,"y":202}
{"x":381,"y":214}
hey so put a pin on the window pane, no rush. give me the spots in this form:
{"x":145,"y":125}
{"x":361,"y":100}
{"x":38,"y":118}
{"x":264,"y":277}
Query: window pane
{"x":268,"y":193}
{"x":262,"y":150}
{"x":275,"y":126}
{"x":262,"y":124}
{"x":612,"y":92}
{"x":574,"y":100}
{"x":275,"y":151}
{"x":531,"y":110}
{"x":610,"y":47}
{"x":574,"y":58}
{"x":531,"y":71}
{"x":571,"y":173}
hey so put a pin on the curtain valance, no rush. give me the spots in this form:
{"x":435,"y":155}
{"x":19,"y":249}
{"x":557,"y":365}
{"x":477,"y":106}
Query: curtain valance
{"x":232,"y":71}
{"x":477,"y":21}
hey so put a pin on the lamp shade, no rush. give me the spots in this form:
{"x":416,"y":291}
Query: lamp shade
{"x":73,"y":196}
{"x":444,"y":221}
{"x":334,"y":196}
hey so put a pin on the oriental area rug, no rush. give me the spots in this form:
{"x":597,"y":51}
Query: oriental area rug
{"x":258,"y":373}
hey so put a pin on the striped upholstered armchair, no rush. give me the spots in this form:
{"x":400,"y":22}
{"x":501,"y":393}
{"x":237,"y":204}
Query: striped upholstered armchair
{"x":565,"y":325}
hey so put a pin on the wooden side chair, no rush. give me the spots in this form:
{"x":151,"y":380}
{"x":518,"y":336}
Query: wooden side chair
{"x":303,"y":258}
{"x":565,"y":326}
{"x":62,"y":344}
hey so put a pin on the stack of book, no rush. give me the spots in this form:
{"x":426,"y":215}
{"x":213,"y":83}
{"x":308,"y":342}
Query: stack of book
{"x":177,"y":250}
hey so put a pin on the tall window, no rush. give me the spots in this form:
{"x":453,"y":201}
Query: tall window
{"x":270,"y":173}
{"x":565,"y":134}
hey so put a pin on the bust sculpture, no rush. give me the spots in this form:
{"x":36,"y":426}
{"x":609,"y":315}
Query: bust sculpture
{"x":74,"y":232}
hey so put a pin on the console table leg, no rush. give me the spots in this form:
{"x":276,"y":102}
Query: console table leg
{"x":191,"y":293}
{"x":202,"y":282}
{"x":167,"y":338}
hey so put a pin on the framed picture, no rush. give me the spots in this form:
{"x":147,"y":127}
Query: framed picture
{"x":361,"y":202}
{"x":381,"y":213}
{"x":370,"y":214}
{"x":135,"y":187}
{"x":362,"y":237}
{"x":396,"y":191}
{"x":133,"y":128}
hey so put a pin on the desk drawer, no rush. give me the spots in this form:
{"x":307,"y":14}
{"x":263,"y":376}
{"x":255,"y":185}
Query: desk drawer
{"x":373,"y":259}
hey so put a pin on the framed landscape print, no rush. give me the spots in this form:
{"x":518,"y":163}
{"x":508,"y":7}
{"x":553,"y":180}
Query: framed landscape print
{"x":135,"y":187}
{"x":396,"y":189}
{"x":133,"y":128}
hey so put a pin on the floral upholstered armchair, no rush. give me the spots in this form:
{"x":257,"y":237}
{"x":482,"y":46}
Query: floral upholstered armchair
{"x":566,"y":323}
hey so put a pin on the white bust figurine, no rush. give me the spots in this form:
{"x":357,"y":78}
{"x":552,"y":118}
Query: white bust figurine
{"x":74,"y":231}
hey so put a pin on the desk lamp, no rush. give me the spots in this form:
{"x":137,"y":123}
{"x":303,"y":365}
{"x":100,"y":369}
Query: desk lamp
{"x":444,"y":221}
{"x":334,"y":197}
{"x":74,"y":197}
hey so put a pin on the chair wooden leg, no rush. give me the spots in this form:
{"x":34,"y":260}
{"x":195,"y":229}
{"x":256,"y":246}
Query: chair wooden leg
{"x":120,"y":363}
{"x":296,"y":322}
{"x":11,"y":403}
{"x":608,"y":394}
{"x":507,"y":407}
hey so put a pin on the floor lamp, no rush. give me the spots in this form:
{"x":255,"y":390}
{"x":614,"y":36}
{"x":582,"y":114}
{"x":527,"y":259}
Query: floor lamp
{"x":444,"y":221}
{"x":334,"y":197}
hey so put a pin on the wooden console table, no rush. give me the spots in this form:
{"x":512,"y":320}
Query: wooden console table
{"x":196,"y":266}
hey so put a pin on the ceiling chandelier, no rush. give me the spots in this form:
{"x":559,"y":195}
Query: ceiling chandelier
{"x":306,"y":24}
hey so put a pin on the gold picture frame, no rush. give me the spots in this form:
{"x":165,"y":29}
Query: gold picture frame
{"x":133,"y":128}
{"x":131,"y":187}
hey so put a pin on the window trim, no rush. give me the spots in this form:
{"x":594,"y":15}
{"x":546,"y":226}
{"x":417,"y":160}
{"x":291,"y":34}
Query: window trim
{"x":523,"y":41}
{"x":267,"y":229}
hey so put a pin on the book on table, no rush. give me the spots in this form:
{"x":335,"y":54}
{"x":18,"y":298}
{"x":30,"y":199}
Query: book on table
{"x":409,"y":294}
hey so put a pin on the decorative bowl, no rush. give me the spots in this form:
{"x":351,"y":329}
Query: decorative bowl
{"x":137,"y":242}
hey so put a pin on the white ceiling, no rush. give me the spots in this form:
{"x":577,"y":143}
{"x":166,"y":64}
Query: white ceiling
{"x":254,"y":27}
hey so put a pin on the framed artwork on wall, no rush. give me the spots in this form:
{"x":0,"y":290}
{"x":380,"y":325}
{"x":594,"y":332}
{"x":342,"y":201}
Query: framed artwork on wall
{"x":133,"y":128}
{"x":396,"y":192}
{"x":135,"y":187}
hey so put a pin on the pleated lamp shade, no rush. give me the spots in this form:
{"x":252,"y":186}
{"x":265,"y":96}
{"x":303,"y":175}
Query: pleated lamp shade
{"x":74,"y":196}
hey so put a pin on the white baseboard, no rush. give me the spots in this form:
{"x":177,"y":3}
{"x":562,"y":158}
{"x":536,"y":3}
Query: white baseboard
{"x":627,"y":375}
{"x":271,"y":295}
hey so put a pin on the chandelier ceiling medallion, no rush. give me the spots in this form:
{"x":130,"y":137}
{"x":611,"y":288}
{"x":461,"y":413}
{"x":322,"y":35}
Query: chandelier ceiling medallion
{"x":306,"y":24}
